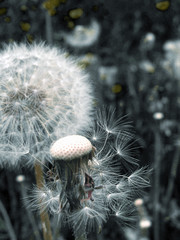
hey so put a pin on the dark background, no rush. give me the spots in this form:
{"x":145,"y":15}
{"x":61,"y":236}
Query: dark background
{"x":131,"y":72}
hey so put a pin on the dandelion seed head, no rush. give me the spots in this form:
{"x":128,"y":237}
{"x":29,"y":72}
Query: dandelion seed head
{"x":83,"y":36}
{"x":91,"y":186}
{"x":44,"y":95}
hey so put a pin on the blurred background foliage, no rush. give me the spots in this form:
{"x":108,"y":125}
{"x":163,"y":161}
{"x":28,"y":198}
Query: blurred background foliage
{"x":132,"y":51}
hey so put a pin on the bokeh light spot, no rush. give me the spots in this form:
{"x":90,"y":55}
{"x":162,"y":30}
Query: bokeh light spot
{"x":163,"y":5}
{"x":25,"y":26}
{"x":70,"y":24}
{"x":7,"y":19}
{"x":76,"y":13}
{"x":117,"y":88}
{"x":3,"y":11}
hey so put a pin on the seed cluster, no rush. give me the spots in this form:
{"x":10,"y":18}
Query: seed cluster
{"x":44,"y":96}
{"x":23,"y":100}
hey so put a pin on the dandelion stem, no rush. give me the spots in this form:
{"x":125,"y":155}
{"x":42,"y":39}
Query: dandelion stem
{"x":157,"y":183}
{"x":48,"y":27}
{"x":173,"y":172}
{"x":47,"y":235}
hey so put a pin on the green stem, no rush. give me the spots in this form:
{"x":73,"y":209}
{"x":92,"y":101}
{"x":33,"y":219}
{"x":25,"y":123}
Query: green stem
{"x":173,"y":172}
{"x":47,"y":235}
{"x":157,"y":163}
{"x":49,"y":31}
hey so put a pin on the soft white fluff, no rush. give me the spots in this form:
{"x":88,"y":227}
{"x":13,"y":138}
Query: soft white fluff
{"x":44,"y":95}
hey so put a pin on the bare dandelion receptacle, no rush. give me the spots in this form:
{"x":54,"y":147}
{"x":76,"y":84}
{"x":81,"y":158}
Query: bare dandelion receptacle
{"x":71,"y":155}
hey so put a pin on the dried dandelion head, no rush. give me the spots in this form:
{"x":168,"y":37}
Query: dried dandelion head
{"x":71,"y":155}
{"x":44,"y":95}
{"x":95,"y":176}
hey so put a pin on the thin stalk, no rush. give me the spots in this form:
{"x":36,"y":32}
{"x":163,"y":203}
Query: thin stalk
{"x":172,"y":177}
{"x":13,"y":202}
{"x":49,"y":32}
{"x":47,"y":235}
{"x":7,"y":222}
{"x":157,"y":159}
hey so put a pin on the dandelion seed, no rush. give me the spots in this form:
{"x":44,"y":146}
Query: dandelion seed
{"x":121,"y":185}
{"x":107,"y":121}
{"x":139,"y":178}
{"x":125,"y":213}
{"x":126,"y":149}
{"x":87,"y":217}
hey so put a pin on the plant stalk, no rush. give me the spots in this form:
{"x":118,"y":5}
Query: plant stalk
{"x":173,"y":173}
{"x":47,"y":234}
{"x":7,"y":222}
{"x":156,"y":196}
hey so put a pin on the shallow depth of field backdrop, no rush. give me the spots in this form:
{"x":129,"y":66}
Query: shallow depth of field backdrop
{"x":132,"y":52}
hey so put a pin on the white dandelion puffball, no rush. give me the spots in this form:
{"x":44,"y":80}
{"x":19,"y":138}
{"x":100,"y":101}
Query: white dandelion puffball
{"x":70,"y":147}
{"x":83,"y":36}
{"x":44,"y":95}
